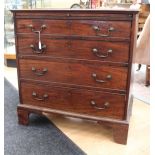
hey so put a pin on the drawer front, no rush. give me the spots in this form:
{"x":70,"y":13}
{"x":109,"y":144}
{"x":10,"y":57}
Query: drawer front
{"x":101,"y":28}
{"x":75,"y":27}
{"x":75,"y":73}
{"x":76,"y":49}
{"x":94,"y":103}
{"x":53,"y":27}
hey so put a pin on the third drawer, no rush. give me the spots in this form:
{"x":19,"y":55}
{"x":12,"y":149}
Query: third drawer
{"x":76,"y":73}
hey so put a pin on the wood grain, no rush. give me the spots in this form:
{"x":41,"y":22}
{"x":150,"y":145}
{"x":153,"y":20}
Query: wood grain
{"x":74,"y":100}
{"x":75,"y":49}
{"x":75,"y":27}
{"x":75,"y":73}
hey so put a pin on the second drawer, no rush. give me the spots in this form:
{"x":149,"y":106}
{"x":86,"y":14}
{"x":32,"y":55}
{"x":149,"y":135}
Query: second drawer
{"x":94,"y":75}
{"x":76,"y":49}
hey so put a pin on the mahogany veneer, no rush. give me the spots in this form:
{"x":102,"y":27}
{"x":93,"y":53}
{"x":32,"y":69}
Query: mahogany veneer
{"x":76,"y":63}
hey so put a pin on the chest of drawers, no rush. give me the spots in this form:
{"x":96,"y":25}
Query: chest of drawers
{"x":76,"y":63}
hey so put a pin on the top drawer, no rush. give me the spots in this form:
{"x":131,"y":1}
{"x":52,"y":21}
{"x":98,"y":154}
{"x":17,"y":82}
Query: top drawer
{"x":82,"y":28}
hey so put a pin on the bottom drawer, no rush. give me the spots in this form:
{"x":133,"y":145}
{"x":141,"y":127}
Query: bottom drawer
{"x":81,"y":101}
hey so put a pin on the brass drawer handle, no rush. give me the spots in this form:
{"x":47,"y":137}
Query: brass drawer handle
{"x":36,"y":96}
{"x":108,"y":77}
{"x":39,"y":34}
{"x":105,"y":105}
{"x":43,"y":27}
{"x":97,"y":29}
{"x":37,"y":50}
{"x":39,"y":72}
{"x":99,"y":54}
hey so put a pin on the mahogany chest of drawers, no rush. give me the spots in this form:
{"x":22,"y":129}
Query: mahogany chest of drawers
{"x":76,"y":63}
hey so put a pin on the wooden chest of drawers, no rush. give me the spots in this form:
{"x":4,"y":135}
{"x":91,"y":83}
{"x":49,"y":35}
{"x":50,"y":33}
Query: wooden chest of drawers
{"x":76,"y":63}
